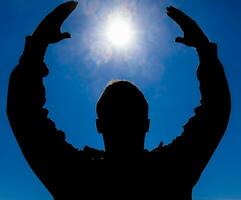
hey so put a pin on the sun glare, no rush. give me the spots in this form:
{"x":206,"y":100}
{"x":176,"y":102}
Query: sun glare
{"x":120,"y":32}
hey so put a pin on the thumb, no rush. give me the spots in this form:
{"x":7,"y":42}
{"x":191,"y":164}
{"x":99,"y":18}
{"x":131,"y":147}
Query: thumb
{"x":180,"y":40}
{"x":65,"y":35}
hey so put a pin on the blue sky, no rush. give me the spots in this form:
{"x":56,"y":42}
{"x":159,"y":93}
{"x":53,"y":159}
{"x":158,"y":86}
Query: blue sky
{"x":165,"y":71}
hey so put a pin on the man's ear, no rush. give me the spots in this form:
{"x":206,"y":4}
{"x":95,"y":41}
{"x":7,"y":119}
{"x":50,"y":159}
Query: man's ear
{"x":99,"y":126}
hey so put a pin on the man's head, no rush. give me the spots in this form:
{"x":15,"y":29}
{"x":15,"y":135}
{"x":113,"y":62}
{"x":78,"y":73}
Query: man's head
{"x":122,"y":112}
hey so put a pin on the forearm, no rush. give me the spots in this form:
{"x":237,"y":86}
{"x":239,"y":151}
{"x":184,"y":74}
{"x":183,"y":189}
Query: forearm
{"x":27,"y":115}
{"x":26,"y":98}
{"x":42,"y":144}
{"x":204,"y":130}
{"x":215,"y":95}
{"x":26,"y":94}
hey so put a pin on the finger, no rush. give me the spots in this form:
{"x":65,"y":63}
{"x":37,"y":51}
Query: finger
{"x":176,"y":12}
{"x":60,"y":13}
{"x":178,"y":16}
{"x":180,"y":40}
{"x":65,"y":36}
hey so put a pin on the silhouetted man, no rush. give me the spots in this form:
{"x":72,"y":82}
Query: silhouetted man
{"x":167,"y":172}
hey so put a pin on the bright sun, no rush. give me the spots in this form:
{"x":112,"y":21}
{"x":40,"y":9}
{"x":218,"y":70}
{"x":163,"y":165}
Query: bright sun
{"x":120,"y":32}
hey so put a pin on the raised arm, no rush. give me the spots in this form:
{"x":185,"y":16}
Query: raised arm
{"x":205,"y":129}
{"x":42,"y":144}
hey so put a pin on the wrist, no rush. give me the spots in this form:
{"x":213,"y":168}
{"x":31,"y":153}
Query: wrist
{"x":207,"y":52}
{"x":38,"y":42}
{"x":34,"y":50}
{"x":203,"y":43}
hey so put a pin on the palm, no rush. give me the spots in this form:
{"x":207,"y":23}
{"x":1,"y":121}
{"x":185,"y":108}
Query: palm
{"x":193,"y":35}
{"x":48,"y":31}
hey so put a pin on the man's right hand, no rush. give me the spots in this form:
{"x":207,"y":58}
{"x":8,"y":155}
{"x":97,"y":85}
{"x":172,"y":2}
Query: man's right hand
{"x":48,"y":31}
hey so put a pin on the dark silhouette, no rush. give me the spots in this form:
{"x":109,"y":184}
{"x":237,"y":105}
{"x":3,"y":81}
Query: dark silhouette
{"x":167,"y":172}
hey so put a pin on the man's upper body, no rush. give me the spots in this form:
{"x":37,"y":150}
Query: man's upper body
{"x":167,"y":172}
